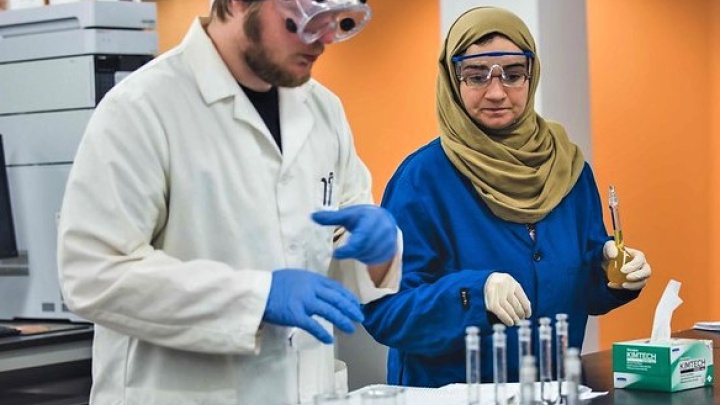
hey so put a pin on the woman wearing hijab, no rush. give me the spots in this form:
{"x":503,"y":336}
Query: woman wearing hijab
{"x":501,"y":216}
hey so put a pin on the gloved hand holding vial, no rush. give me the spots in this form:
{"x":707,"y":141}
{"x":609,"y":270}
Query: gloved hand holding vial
{"x":622,"y":256}
{"x":626,"y":268}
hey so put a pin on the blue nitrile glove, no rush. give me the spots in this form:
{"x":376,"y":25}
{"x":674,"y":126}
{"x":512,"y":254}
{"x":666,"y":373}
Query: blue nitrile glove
{"x":373,"y":234}
{"x":296,"y":295}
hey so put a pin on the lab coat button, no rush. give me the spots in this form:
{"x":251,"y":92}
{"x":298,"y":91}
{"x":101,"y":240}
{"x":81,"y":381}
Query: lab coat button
{"x":537,"y":256}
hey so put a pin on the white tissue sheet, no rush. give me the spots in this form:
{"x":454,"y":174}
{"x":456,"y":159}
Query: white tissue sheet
{"x":669,"y":301}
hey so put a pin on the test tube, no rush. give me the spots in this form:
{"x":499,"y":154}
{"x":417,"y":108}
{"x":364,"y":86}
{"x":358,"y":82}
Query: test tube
{"x":614,"y":274}
{"x":524,"y":341}
{"x":545,"y":359}
{"x":573,"y":375}
{"x":561,"y":345}
{"x":500,"y":363}
{"x":528,"y":375}
{"x":472,"y":364}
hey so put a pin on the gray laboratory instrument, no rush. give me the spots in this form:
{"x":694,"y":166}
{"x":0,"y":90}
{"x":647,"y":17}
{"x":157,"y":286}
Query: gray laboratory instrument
{"x":56,"y":64}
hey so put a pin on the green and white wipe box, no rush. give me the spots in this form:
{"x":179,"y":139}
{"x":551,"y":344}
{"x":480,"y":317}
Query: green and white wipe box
{"x":670,"y":366}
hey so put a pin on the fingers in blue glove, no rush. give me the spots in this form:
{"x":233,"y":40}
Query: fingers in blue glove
{"x":373,"y":233}
{"x":315,"y":329}
{"x":297,"y":295}
{"x":342,"y":300}
{"x":346,"y":217}
{"x":334,"y":316}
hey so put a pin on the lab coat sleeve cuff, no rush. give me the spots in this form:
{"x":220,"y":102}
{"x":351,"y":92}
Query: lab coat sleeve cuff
{"x":251,"y":326}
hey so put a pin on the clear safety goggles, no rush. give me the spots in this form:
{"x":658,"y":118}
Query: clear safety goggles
{"x":314,"y":19}
{"x":477,"y":70}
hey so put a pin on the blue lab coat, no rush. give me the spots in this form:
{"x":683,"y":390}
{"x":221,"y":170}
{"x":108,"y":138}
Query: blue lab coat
{"x":453,"y":242}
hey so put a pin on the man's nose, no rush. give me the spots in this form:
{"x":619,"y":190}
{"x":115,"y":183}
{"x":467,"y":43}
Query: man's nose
{"x":327,"y":38}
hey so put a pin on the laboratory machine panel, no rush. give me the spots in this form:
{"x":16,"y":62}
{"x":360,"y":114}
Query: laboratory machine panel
{"x":56,"y":64}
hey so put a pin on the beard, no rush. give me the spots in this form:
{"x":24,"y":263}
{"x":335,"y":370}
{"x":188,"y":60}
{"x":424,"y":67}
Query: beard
{"x":258,"y":59}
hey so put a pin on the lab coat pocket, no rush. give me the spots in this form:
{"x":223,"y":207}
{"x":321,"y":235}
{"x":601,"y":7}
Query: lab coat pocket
{"x":270,"y":377}
{"x":158,"y":376}
{"x":320,"y":248}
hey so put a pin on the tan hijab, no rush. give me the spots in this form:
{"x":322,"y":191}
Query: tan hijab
{"x":523,"y":171}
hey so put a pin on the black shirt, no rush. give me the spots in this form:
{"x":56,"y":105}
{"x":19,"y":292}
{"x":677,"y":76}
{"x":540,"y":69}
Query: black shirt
{"x":268,"y":105}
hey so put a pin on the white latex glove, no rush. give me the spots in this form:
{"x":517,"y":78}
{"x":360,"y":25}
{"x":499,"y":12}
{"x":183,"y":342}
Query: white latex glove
{"x":505,"y":298}
{"x":637,"y":271}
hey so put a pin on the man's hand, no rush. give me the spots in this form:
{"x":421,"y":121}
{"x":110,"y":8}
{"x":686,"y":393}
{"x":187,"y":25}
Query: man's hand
{"x":296,"y":295}
{"x":373,"y":232}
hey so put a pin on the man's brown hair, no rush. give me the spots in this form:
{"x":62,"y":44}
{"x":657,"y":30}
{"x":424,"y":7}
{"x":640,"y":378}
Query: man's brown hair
{"x":221,"y":8}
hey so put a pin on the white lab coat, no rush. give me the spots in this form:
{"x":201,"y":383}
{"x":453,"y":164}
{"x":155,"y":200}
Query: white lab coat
{"x":177,"y":209}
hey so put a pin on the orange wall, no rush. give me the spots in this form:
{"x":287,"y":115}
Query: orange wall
{"x":652,"y":137}
{"x":175,"y":17}
{"x":714,"y":276}
{"x":655,"y":124}
{"x":386,"y":79}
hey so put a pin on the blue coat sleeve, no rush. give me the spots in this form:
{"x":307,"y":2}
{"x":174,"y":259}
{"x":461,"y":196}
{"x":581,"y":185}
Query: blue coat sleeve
{"x":429,"y":314}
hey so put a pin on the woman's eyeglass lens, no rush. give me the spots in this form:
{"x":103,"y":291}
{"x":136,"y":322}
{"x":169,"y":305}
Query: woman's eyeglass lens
{"x":512,"y":68}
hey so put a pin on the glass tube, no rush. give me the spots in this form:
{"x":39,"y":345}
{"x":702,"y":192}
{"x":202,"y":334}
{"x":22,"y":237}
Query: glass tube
{"x":472,"y":364}
{"x":545,"y":359}
{"x":614,"y":265}
{"x":573,"y":375}
{"x":528,"y":374}
{"x":524,"y":341}
{"x":500,"y":364}
{"x":561,"y":346}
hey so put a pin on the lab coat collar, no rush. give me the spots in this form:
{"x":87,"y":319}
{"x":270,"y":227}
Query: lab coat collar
{"x":296,"y":122}
{"x":216,"y":82}
{"x":211,"y":74}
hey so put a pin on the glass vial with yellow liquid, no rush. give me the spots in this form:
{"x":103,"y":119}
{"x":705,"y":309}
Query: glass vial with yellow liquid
{"x":614,"y":265}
